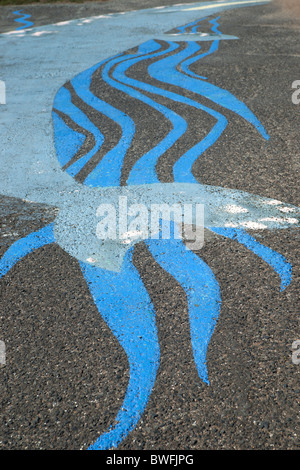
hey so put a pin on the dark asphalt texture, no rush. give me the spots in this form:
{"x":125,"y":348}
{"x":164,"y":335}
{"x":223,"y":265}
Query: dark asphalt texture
{"x":66,"y":375}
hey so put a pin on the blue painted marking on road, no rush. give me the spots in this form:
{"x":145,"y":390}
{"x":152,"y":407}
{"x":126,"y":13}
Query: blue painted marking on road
{"x":194,"y":24}
{"x":213,"y":48}
{"x":67,"y":141}
{"x":280,"y":265}
{"x":63,"y":103}
{"x":111,"y":165}
{"x":166,"y":71}
{"x":202,"y":291}
{"x":143,"y":171}
{"x":125,"y":306}
{"x":19,"y":249}
{"x":121,"y":297}
{"x":23,"y":20}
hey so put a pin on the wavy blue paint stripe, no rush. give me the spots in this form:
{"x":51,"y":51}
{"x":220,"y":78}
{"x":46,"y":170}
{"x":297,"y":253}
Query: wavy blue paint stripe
{"x":23,"y":20}
{"x":108,"y":172}
{"x":215,"y":24}
{"x":184,"y":66}
{"x":110,"y":168}
{"x":143,"y":171}
{"x":274,"y":259}
{"x":166,"y":72}
{"x":213,"y":48}
{"x":202,"y":291}
{"x":197,"y":25}
{"x":182,"y":169}
{"x":63,"y":103}
{"x":24,"y":246}
{"x":186,"y":63}
{"x":67,"y":141}
{"x":182,"y":29}
{"x":280,"y":265}
{"x":125,"y":306}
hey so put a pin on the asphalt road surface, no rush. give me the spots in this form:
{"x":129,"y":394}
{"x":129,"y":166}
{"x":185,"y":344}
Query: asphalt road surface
{"x":65,"y":374}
